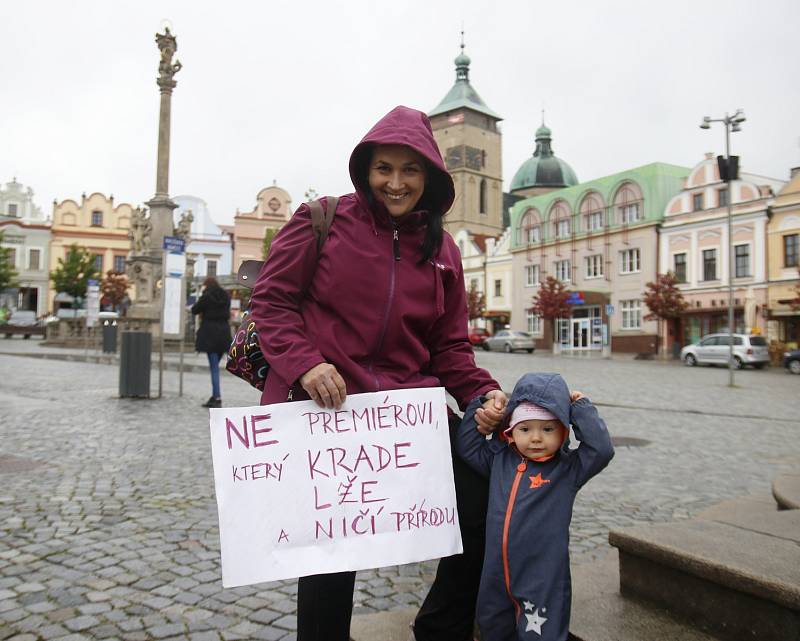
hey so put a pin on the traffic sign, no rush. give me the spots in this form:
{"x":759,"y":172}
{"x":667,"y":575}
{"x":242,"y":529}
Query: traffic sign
{"x":174,"y":244}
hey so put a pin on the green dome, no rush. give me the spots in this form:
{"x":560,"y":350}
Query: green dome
{"x":462,"y":60}
{"x":543,"y":169}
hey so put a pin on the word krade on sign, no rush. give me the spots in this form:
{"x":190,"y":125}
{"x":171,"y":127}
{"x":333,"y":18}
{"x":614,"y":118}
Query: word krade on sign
{"x":303,"y":490}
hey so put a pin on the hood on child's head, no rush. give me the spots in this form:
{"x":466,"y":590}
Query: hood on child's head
{"x":546,"y":391}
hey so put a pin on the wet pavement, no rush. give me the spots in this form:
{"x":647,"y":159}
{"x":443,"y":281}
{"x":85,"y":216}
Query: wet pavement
{"x":108,"y":521}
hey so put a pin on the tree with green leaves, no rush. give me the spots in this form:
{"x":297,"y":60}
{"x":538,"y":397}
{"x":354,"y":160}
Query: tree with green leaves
{"x":665,"y":300}
{"x":269,"y":234}
{"x":8,"y":274}
{"x":73,"y":273}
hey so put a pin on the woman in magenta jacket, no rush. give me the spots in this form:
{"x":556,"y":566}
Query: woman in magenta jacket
{"x":382,"y":307}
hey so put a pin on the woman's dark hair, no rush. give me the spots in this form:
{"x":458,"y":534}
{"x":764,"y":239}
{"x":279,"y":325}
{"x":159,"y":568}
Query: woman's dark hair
{"x":433,"y":236}
{"x":210,"y":281}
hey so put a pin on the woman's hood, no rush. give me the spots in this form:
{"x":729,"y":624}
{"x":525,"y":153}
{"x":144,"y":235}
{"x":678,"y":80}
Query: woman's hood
{"x":409,"y":127}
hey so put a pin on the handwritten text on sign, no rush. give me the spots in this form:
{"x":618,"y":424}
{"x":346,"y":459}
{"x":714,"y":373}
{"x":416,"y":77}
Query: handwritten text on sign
{"x":304,"y":490}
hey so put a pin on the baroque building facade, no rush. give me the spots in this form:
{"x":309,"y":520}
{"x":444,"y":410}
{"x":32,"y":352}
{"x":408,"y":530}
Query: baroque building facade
{"x":783,"y":266}
{"x":273,"y":209}
{"x":208,"y":245}
{"x":26,"y":233}
{"x":96,"y":224}
{"x":600,"y":238}
{"x":695,"y":244}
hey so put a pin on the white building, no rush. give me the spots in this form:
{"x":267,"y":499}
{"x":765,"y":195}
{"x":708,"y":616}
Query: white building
{"x":27,"y":234}
{"x":209,"y":245}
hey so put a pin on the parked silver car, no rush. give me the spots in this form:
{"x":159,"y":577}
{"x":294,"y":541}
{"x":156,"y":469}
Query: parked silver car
{"x":715,"y":349}
{"x":509,"y":340}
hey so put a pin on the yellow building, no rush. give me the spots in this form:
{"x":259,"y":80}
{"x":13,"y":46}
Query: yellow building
{"x":783,"y":252}
{"x":94,"y":224}
{"x":273,"y":208}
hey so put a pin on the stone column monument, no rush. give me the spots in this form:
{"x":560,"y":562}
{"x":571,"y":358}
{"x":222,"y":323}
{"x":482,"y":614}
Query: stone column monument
{"x":148,"y":231}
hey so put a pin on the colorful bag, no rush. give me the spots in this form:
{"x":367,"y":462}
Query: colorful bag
{"x":245,"y":358}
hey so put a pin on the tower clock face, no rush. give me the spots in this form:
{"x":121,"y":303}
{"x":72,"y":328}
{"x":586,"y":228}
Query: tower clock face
{"x":454,"y":157}
{"x":474,"y":158}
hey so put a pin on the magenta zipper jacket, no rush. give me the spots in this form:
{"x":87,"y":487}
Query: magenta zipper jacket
{"x":366,"y":304}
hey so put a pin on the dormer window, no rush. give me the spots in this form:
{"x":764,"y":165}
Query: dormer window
{"x":13,"y":208}
{"x":97,"y":219}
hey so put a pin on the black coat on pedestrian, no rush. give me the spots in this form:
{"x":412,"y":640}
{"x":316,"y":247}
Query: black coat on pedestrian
{"x":214,"y":335}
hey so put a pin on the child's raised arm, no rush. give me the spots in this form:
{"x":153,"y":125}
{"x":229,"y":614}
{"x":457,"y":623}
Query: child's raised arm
{"x":595,"y":450}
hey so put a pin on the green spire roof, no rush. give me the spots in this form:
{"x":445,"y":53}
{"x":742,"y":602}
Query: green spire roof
{"x":543,"y":169}
{"x":462,"y":95}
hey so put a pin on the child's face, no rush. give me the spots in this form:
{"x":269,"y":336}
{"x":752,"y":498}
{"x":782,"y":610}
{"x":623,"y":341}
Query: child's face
{"x":536,"y":438}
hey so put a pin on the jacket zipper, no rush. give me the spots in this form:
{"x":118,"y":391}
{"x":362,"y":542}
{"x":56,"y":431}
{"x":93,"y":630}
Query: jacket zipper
{"x":509,"y":508}
{"x":389,"y":301}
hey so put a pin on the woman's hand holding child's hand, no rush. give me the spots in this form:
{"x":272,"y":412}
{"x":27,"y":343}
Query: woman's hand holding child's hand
{"x":489,"y":416}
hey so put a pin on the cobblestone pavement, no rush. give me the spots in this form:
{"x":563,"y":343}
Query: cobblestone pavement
{"x":108,"y":522}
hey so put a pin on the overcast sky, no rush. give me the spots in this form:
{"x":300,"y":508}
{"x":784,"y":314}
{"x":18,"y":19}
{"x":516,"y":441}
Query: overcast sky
{"x":283,"y":90}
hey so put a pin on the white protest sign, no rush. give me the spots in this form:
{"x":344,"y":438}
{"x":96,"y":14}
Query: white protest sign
{"x":304,"y":490}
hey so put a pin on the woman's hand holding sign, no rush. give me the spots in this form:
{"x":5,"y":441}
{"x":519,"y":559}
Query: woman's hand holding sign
{"x":325,"y":386}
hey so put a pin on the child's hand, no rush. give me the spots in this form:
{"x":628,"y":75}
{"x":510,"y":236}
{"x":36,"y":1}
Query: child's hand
{"x":488,"y":416}
{"x":575,"y":395}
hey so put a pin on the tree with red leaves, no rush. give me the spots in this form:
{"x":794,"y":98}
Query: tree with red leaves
{"x":665,"y":300}
{"x":551,"y":302}
{"x":114,"y":287}
{"x":476,"y":302}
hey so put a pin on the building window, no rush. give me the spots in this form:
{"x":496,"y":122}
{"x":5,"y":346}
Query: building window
{"x":563,"y":269}
{"x":534,"y":234}
{"x":97,"y":219}
{"x":12,"y":256}
{"x":594,"y":266}
{"x":534,"y":322}
{"x":679,"y":266}
{"x":629,"y":261}
{"x":709,"y":264}
{"x":483,"y":195}
{"x":742,"y":264}
{"x":631,"y":213}
{"x":98,"y":263}
{"x":722,"y":197}
{"x":34,"y":259}
{"x":211,"y":268}
{"x":594,"y":221}
{"x":631,"y":314}
{"x":498,"y":288}
{"x":697,"y":202}
{"x":562,"y":228}
{"x":473,"y":283}
{"x":13,"y":209}
{"x":790,"y":250}
{"x":531,"y":275}
{"x":119,"y":264}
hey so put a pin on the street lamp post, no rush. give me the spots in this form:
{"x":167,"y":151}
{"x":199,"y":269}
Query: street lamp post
{"x":728,"y":172}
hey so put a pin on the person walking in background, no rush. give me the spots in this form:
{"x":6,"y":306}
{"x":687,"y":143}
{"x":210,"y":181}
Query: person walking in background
{"x":382,"y":306}
{"x":525,"y":590}
{"x":214,"y":335}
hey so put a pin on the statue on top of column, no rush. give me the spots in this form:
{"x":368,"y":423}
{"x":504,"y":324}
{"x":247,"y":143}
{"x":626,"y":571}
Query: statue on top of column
{"x":168,"y":45}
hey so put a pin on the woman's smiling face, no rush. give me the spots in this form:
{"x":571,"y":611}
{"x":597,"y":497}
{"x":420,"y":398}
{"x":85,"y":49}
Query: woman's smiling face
{"x":397,"y":178}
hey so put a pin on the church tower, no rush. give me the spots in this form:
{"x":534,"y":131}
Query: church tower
{"x":466,"y":131}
